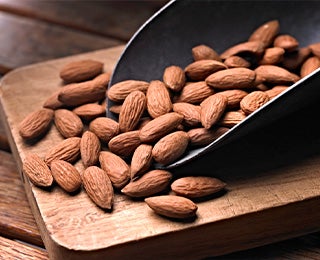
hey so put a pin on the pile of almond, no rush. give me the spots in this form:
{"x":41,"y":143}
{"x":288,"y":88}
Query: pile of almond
{"x":158,"y":121}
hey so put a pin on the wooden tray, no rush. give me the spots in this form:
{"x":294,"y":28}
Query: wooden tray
{"x":257,"y":209}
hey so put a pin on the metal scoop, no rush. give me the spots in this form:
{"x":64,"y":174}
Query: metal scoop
{"x":169,"y":35}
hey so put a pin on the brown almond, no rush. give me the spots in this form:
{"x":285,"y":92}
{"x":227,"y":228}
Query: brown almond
{"x":148,"y":184}
{"x":236,"y":62}
{"x":266,"y":32}
{"x":172,"y":206}
{"x":90,"y":111}
{"x":66,"y":175}
{"x":236,"y":78}
{"x":231,"y":118}
{"x":275,"y":75}
{"x":170,"y":147}
{"x":105,"y":128}
{"x":131,"y":111}
{"x":90,"y":148}
{"x":67,"y":150}
{"x":293,"y":60}
{"x":98,"y":187}
{"x":286,"y":42}
{"x":197,"y":186}
{"x":275,"y":91}
{"x":202,"y":136}
{"x":141,"y":160}
{"x":315,"y":49}
{"x":212,"y":109}
{"x":124,"y":144}
{"x":204,"y":52}
{"x":116,"y":168}
{"x":174,"y":78}
{"x":36,"y":124}
{"x":67,"y":123}
{"x":272,"y":56}
{"x":201,"y":69}
{"x":234,"y":97}
{"x":159,"y":127}
{"x":190,"y":113}
{"x":195,"y":92}
{"x":253,"y":101}
{"x":310,"y":65}
{"x":52,"y":102}
{"x":119,"y":91}
{"x":255,"y":48}
{"x":158,"y":99}
{"x":37,"y":171}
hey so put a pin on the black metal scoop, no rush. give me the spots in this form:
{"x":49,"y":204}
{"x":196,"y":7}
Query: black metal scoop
{"x":168,"y":37}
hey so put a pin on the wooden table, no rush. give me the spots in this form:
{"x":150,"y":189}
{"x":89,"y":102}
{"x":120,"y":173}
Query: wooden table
{"x":34,"y":31}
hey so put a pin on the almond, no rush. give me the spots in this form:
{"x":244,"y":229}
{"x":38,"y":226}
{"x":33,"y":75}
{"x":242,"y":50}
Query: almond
{"x":172,"y":206}
{"x":204,"y":52}
{"x":266,"y":32}
{"x":287,"y":42}
{"x":67,"y":123}
{"x":131,"y":111}
{"x":310,"y":65}
{"x":197,"y":186}
{"x":275,"y":75}
{"x":160,"y":126}
{"x":116,"y":168}
{"x":236,"y":62}
{"x":174,"y":78}
{"x":255,"y":48}
{"x":37,"y":171}
{"x":231,"y":118}
{"x":158,"y":99}
{"x":67,"y":150}
{"x":234,"y":97}
{"x":272,"y":56}
{"x":253,"y":101}
{"x":212,"y":109}
{"x":105,"y":128}
{"x":36,"y":124}
{"x":119,"y":91}
{"x":203,"y":136}
{"x":201,"y":69}
{"x":170,"y":147}
{"x":190,"y":113}
{"x":315,"y":49}
{"x":90,"y":111}
{"x":293,"y":60}
{"x":124,"y":144}
{"x":148,"y":184}
{"x":66,"y":175}
{"x":236,"y":78}
{"x":52,"y":102}
{"x":98,"y":187}
{"x":275,"y":91}
{"x":195,"y":92}
{"x":141,"y":160}
{"x":89,"y":149}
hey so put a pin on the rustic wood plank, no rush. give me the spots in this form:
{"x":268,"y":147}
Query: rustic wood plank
{"x":10,"y":249}
{"x":16,"y":218}
{"x":29,"y":42}
{"x":96,"y":17}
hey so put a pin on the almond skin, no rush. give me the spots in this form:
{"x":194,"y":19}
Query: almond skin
{"x":90,"y":111}
{"x":310,"y":65}
{"x":272,"y":56}
{"x":236,"y":62}
{"x":204,"y":52}
{"x":81,"y":70}
{"x":294,"y":60}
{"x":253,"y":101}
{"x":170,"y":147}
{"x":195,"y":92}
{"x":202,"y":136}
{"x":66,"y":175}
{"x":36,"y":124}
{"x":141,"y":160}
{"x":174,"y":78}
{"x":275,"y":75}
{"x":90,"y":148}
{"x":98,"y":187}
{"x":190,"y":113}
{"x":172,"y":206}
{"x":52,"y":102}
{"x":105,"y":128}
{"x":119,"y":91}
{"x":67,"y":123}
{"x":197,"y":186}
{"x":231,"y":118}
{"x":234,"y":97}
{"x":148,"y":184}
{"x":255,"y":48}
{"x":37,"y":171}
{"x":124,"y":144}
{"x":266,"y":32}
{"x":275,"y":91}
{"x":287,"y":42}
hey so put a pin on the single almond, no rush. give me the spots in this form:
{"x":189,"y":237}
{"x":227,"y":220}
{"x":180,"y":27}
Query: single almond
{"x":36,"y":124}
{"x":90,"y":148}
{"x":131,"y":111}
{"x":204,"y":52}
{"x":237,"y":78}
{"x":195,"y":92}
{"x":190,"y":113}
{"x":148,"y":184}
{"x":253,"y":101}
{"x":141,"y":160}
{"x":67,"y":123}
{"x":272,"y":56}
{"x":212,"y":109}
{"x":105,"y":128}
{"x":202,"y":136}
{"x":124,"y":144}
{"x":116,"y":168}
{"x":174,"y":78}
{"x":287,"y":42}
{"x":197,"y":186}
{"x":37,"y":171}
{"x":266,"y":32}
{"x":310,"y":65}
{"x":66,"y":175}
{"x":119,"y":91}
{"x":158,"y":99}
{"x":231,"y":118}
{"x":98,"y":187}
{"x":159,"y":127}
{"x":275,"y":91}
{"x":234,"y":97}
{"x":255,"y":48}
{"x":275,"y":75}
{"x":90,"y":111}
{"x":67,"y":150}
{"x":52,"y":102}
{"x":236,"y":62}
{"x":172,"y":206}
{"x":170,"y":147}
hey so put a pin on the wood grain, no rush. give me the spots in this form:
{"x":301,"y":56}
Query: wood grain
{"x":257,"y":209}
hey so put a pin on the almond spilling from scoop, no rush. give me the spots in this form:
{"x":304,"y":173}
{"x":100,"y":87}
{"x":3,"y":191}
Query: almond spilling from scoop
{"x":67,"y":123}
{"x":204,"y":52}
{"x":275,"y":75}
{"x":119,"y":91}
{"x":174,"y":78}
{"x":255,"y":48}
{"x":231,"y":118}
{"x":90,"y":148}
{"x":253,"y":101}
{"x":266,"y":32}
{"x":195,"y":92}
{"x":287,"y":42}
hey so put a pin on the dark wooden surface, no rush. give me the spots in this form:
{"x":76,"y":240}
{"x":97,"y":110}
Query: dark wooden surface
{"x":34,"y":31}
